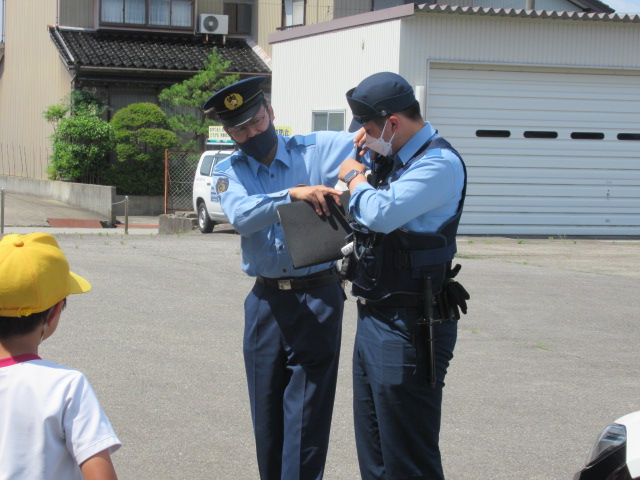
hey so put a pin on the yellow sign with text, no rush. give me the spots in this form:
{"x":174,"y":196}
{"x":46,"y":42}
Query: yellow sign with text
{"x":217,"y":134}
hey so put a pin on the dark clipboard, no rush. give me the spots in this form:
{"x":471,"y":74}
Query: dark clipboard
{"x":314,"y":239}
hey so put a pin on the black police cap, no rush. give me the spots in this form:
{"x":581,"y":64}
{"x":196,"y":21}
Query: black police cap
{"x":379,"y":95}
{"x":237,"y":103}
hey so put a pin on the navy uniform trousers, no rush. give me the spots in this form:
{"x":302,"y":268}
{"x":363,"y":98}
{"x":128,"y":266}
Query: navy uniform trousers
{"x":396,"y":415}
{"x":291,"y":352}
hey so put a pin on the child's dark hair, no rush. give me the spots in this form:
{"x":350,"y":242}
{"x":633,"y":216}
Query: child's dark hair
{"x":19,"y":326}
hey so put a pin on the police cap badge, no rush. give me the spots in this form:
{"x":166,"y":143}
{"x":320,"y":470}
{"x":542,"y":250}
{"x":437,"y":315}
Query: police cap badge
{"x":237,"y":103}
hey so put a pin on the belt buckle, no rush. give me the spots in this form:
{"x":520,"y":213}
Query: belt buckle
{"x":284,"y":284}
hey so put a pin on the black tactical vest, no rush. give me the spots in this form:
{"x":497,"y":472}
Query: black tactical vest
{"x":398,"y":262}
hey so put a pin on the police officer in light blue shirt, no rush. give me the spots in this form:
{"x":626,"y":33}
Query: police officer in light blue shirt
{"x":293,"y":317}
{"x":406,"y":217}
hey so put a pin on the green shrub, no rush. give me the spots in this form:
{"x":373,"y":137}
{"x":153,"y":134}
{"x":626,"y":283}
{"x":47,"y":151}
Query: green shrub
{"x":81,"y":142}
{"x":81,"y":145}
{"x":142,"y":134}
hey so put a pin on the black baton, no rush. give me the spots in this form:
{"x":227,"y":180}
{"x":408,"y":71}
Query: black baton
{"x":430,"y":340}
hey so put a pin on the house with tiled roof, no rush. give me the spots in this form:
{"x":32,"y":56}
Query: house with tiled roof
{"x":129,"y":50}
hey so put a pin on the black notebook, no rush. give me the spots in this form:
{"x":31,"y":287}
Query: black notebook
{"x":314,"y":239}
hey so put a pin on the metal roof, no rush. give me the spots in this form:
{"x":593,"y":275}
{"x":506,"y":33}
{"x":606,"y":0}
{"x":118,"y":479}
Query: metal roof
{"x":522,"y":13}
{"x":409,"y":10}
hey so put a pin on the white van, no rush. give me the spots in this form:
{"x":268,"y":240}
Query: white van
{"x":205,"y":205}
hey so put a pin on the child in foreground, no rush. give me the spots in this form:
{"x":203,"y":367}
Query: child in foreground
{"x":51,"y":423}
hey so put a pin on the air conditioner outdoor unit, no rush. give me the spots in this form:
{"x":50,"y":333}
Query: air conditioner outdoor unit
{"x":213,"y":24}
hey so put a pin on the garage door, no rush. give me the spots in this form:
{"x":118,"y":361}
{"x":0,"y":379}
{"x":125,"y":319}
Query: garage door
{"x":548,"y":152}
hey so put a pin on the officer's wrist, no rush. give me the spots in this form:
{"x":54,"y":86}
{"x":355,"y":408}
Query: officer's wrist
{"x":356,"y":181}
{"x":352,"y":175}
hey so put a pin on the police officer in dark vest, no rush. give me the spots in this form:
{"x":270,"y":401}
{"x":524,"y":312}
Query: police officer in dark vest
{"x":406,"y":215}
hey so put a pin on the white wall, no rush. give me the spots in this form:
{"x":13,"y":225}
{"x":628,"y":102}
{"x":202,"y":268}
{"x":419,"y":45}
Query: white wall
{"x":314,"y":73}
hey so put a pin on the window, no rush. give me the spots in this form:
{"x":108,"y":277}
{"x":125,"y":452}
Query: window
{"x":150,"y":13}
{"x":587,"y":135}
{"x":239,"y":17}
{"x":493,"y":133}
{"x":293,"y":13}
{"x":207,"y":165}
{"x":540,"y":134}
{"x":629,"y":136}
{"x":546,"y":134}
{"x":328,"y":120}
{"x":380,"y":4}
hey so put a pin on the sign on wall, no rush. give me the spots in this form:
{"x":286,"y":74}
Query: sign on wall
{"x":218,"y":136}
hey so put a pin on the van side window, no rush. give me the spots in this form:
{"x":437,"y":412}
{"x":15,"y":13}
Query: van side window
{"x":207,"y":163}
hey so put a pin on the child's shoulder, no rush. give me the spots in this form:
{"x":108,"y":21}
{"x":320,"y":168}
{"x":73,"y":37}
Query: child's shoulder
{"x":46,"y":372}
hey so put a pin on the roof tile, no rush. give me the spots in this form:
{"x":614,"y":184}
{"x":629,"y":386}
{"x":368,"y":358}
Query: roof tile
{"x":151,"y":51}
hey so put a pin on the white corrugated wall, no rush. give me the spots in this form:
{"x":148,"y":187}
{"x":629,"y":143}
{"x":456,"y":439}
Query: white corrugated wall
{"x":314,"y":73}
{"x":515,"y":41}
{"x":568,"y":158}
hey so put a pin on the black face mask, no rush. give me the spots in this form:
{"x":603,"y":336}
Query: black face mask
{"x":260,"y":145}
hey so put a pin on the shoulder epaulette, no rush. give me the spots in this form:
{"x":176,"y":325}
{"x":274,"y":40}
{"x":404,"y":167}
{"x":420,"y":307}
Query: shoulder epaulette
{"x":226,"y":163}
{"x":301,"y":140}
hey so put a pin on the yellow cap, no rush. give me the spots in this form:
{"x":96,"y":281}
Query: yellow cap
{"x":34,"y":275}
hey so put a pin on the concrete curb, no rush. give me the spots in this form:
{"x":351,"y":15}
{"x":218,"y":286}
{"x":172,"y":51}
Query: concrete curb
{"x":177,"y":223}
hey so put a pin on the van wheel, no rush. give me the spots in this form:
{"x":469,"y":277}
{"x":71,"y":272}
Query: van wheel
{"x":204,"y":222}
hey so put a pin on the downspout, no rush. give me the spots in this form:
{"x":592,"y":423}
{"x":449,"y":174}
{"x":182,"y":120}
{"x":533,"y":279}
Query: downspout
{"x":56,"y":32}
{"x":194,"y":14}
{"x":4,"y":21}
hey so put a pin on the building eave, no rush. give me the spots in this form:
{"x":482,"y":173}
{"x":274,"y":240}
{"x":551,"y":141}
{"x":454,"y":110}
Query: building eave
{"x":408,"y":10}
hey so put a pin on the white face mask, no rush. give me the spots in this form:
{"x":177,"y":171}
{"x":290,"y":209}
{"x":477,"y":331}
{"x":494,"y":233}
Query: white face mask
{"x":379,"y":145}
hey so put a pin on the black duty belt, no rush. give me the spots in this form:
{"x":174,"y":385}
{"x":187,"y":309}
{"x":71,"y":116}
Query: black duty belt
{"x":301,"y":283}
{"x":407,"y":301}
{"x":397,"y":300}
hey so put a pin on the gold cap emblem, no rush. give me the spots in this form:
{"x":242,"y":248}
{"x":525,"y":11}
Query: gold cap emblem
{"x":233,"y":101}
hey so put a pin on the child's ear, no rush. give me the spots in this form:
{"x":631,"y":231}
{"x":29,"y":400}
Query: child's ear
{"x":57,"y":310}
{"x":53,"y":318}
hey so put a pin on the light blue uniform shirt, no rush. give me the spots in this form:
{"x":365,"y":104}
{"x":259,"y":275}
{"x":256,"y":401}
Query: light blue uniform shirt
{"x":254,"y":191}
{"x":420,"y":197}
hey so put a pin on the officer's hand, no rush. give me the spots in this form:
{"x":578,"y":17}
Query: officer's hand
{"x":316,"y":195}
{"x":359,"y":139}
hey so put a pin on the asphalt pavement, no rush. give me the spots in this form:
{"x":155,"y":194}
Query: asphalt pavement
{"x":546,"y":356}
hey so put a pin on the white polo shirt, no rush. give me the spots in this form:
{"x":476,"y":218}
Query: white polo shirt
{"x":50,"y":420}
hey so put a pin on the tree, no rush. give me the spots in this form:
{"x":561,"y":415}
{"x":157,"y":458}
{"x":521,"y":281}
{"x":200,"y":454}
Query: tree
{"x":192,"y":94}
{"x":141,"y":134}
{"x":81,"y":141}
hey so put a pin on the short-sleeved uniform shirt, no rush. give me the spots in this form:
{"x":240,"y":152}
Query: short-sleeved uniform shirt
{"x":249,"y":193}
